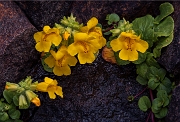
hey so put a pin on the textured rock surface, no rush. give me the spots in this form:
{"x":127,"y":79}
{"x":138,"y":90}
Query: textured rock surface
{"x":92,"y":93}
{"x":174,"y":107}
{"x":17,"y":53}
{"x":42,"y":13}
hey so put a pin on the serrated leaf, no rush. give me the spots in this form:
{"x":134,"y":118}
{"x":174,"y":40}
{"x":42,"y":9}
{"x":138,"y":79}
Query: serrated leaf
{"x":143,"y":26}
{"x":144,"y":103}
{"x":165,"y":10}
{"x":141,"y":58}
{"x":162,"y":94}
{"x":151,"y":61}
{"x":167,"y":83}
{"x":8,"y":96}
{"x":155,"y":105}
{"x":142,"y":69}
{"x":120,"y":61}
{"x":157,"y":52}
{"x":14,"y":114}
{"x":4,"y":116}
{"x":141,"y":80}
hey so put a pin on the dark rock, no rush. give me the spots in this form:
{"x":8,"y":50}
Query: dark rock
{"x":42,"y":13}
{"x":174,"y":107}
{"x":92,"y":93}
{"x":17,"y":53}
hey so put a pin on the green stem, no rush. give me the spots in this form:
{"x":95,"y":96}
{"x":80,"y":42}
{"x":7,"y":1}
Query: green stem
{"x":152,"y":114}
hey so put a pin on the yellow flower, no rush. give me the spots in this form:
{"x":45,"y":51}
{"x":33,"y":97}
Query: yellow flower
{"x":36,"y":101}
{"x":94,"y":31}
{"x":85,"y":46}
{"x":129,"y":44}
{"x":49,"y":85}
{"x":46,"y":38}
{"x":61,"y":61}
{"x":66,"y":35}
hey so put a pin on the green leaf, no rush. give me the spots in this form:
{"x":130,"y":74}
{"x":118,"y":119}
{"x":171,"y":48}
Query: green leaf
{"x":161,"y":73}
{"x":156,"y":105}
{"x":16,"y":100}
{"x":113,"y":18}
{"x":151,"y":61}
{"x":14,"y":114}
{"x":167,"y":83}
{"x":165,"y":10}
{"x":141,"y":58}
{"x":99,"y":25}
{"x":120,"y":61}
{"x":143,"y":26}
{"x":144,"y":103}
{"x":141,"y":80}
{"x":108,"y":44}
{"x":162,"y":113}
{"x":162,"y":94}
{"x":165,"y":28}
{"x":46,"y":67}
{"x":164,"y":41}
{"x":4,"y":116}
{"x":152,"y":84}
{"x":142,"y":69}
{"x":157,"y":52}
{"x":107,"y":33}
{"x":8,"y":96}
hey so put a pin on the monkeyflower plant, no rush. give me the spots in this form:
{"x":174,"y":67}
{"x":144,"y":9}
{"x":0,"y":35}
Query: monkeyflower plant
{"x":60,"y":45}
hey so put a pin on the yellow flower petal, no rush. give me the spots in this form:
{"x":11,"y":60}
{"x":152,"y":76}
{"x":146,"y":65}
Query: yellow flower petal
{"x":48,"y":80}
{"x":36,"y":101}
{"x":50,"y":61}
{"x":128,"y":55}
{"x":54,"y":38}
{"x":59,"y":91}
{"x":116,"y":45}
{"x":46,"y":28}
{"x":72,"y":49}
{"x":86,"y":57}
{"x":80,"y":37}
{"x":39,"y":47}
{"x":84,"y":29}
{"x":141,"y":46}
{"x":72,"y":61}
{"x":42,"y":87}
{"x":59,"y":71}
{"x":38,"y":36}
{"x":92,"y":22}
{"x":54,"y":83}
{"x":51,"y":95}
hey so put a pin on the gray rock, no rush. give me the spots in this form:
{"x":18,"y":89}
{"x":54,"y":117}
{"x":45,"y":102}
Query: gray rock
{"x":174,"y":107}
{"x":17,"y":52}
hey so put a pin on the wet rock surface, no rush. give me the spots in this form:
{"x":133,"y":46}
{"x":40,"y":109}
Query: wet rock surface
{"x":93,"y":92}
{"x":17,"y":54}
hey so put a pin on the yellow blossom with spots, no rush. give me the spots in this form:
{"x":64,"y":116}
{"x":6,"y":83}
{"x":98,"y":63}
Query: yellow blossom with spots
{"x":49,"y":85}
{"x":60,"y":61}
{"x":94,"y":31}
{"x":85,"y":46}
{"x":46,"y":38}
{"x":129,"y":44}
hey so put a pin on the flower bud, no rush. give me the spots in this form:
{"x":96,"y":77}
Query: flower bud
{"x":30,"y":94}
{"x":11,"y":86}
{"x":22,"y":102}
{"x":36,"y":101}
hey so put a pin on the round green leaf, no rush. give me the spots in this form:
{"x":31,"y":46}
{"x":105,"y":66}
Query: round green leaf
{"x":141,"y":80}
{"x":142,"y":69}
{"x":144,"y":103}
{"x":4,"y":116}
{"x":162,"y":113}
{"x":156,"y":105}
{"x":14,"y":114}
{"x":8,"y":96}
{"x":152,"y":84}
{"x":113,"y":18}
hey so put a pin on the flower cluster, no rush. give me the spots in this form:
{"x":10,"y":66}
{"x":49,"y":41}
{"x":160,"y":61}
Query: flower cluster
{"x":60,"y":44}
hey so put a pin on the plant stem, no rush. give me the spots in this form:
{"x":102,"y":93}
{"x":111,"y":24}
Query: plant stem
{"x":148,"y":116}
{"x":140,"y":92}
{"x":108,"y":29}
